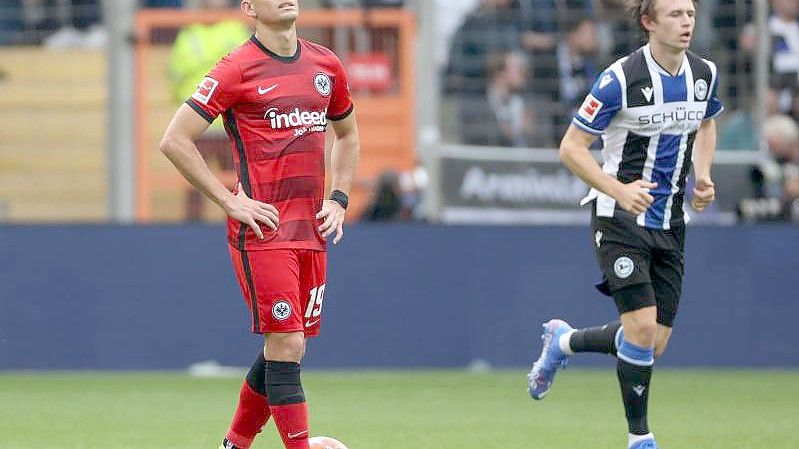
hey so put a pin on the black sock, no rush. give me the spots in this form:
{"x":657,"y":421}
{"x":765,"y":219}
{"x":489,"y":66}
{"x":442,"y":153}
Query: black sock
{"x":596,"y":339}
{"x":634,"y":382}
{"x":256,"y":378}
{"x":283,"y":385}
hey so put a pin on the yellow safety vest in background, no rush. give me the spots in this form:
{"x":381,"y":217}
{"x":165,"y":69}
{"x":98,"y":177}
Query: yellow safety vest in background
{"x":196,"y":51}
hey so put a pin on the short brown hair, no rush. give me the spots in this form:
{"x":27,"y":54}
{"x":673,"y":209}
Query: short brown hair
{"x":641,"y":8}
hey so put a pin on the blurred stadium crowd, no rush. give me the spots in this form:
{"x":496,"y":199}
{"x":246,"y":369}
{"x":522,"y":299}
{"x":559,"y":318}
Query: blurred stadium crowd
{"x":514,"y":72}
{"x":517,"y":69}
{"x":78,"y":23}
{"x":533,"y":61}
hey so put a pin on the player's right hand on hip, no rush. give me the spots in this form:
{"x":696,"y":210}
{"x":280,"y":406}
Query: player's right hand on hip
{"x":634,"y":197}
{"x":252,"y":212}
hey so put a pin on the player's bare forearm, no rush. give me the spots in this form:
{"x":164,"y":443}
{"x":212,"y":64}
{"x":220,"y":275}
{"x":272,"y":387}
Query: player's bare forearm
{"x":178,"y":146}
{"x":345,"y":154}
{"x":343,"y":160}
{"x":704,"y":149}
{"x":192,"y":166}
{"x":575,"y":154}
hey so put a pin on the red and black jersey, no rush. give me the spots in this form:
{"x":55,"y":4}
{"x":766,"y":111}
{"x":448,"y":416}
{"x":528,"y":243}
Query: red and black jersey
{"x":276,"y":110}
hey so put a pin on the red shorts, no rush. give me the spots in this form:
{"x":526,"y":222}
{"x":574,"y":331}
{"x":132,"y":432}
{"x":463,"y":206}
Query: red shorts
{"x":284,"y":288}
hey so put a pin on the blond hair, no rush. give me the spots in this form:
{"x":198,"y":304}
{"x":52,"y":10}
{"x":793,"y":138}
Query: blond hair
{"x":641,"y":8}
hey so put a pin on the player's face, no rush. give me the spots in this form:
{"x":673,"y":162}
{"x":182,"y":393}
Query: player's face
{"x":272,"y":11}
{"x":673,"y":24}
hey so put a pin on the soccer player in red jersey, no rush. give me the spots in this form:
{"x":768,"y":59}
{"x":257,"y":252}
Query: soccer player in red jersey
{"x":276,"y":94}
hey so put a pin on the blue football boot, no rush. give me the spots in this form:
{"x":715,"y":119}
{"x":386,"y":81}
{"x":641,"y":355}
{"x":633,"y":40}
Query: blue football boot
{"x":648,"y":443}
{"x":552,"y":358}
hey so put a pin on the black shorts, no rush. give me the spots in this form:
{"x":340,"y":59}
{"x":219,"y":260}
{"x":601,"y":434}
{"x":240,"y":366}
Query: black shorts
{"x":642,"y":267}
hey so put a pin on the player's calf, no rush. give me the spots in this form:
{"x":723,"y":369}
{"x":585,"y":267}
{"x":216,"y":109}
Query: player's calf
{"x":252,"y":412}
{"x":286,"y":400}
{"x":634,"y":370}
{"x":600,"y":339}
{"x":284,"y":392}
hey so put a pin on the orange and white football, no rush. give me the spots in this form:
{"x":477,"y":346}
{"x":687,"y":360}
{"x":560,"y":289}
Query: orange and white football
{"x":325,"y":443}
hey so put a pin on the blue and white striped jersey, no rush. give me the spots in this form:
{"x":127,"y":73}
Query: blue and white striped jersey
{"x":648,"y":120}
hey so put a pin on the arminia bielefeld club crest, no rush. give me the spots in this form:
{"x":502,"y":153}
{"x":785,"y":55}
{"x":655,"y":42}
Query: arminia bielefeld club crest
{"x":700,"y":88}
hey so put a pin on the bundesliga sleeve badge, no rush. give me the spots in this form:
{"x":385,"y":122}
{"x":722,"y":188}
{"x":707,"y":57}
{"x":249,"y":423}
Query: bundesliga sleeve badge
{"x":590,"y":108}
{"x":205,"y":90}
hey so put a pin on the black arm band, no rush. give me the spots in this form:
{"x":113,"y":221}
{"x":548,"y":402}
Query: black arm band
{"x":340,"y":197}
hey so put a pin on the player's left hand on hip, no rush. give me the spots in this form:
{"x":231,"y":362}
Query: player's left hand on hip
{"x":704,"y":193}
{"x":333,"y":215}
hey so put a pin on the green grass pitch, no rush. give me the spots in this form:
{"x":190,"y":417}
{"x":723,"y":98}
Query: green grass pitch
{"x":404,"y":410}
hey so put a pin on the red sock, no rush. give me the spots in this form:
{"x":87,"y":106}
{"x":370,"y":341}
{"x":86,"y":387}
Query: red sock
{"x":292,"y":424}
{"x":251,"y":416}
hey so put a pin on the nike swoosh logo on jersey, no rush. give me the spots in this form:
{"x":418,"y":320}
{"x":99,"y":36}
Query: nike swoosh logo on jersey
{"x":298,"y":434}
{"x":262,"y":91}
{"x":311,"y":323}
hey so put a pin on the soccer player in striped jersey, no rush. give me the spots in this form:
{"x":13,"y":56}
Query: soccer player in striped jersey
{"x":655,"y":110}
{"x":277,"y":94}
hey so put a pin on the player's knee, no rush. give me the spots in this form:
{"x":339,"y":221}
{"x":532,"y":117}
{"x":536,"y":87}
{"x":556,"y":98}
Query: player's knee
{"x":286,"y":347}
{"x":283,"y":385}
{"x":641,"y":332}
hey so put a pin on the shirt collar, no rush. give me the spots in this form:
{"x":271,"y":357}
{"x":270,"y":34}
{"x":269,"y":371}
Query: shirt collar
{"x":658,"y":68}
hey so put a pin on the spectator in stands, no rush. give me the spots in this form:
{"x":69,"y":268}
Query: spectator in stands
{"x":538,"y":20}
{"x":196,"y":50}
{"x":784,"y":28}
{"x":56,"y":23}
{"x":386,"y":202}
{"x":624,"y":34}
{"x":781,"y":135}
{"x":199,"y":46}
{"x":85,"y":13}
{"x":79,"y":20}
{"x":738,"y":131}
{"x":776,"y":180}
{"x":500,"y":116}
{"x":397,"y":196}
{"x":565,"y":76}
{"x":577,"y":66}
{"x":28,"y":21}
{"x":488,"y":30}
